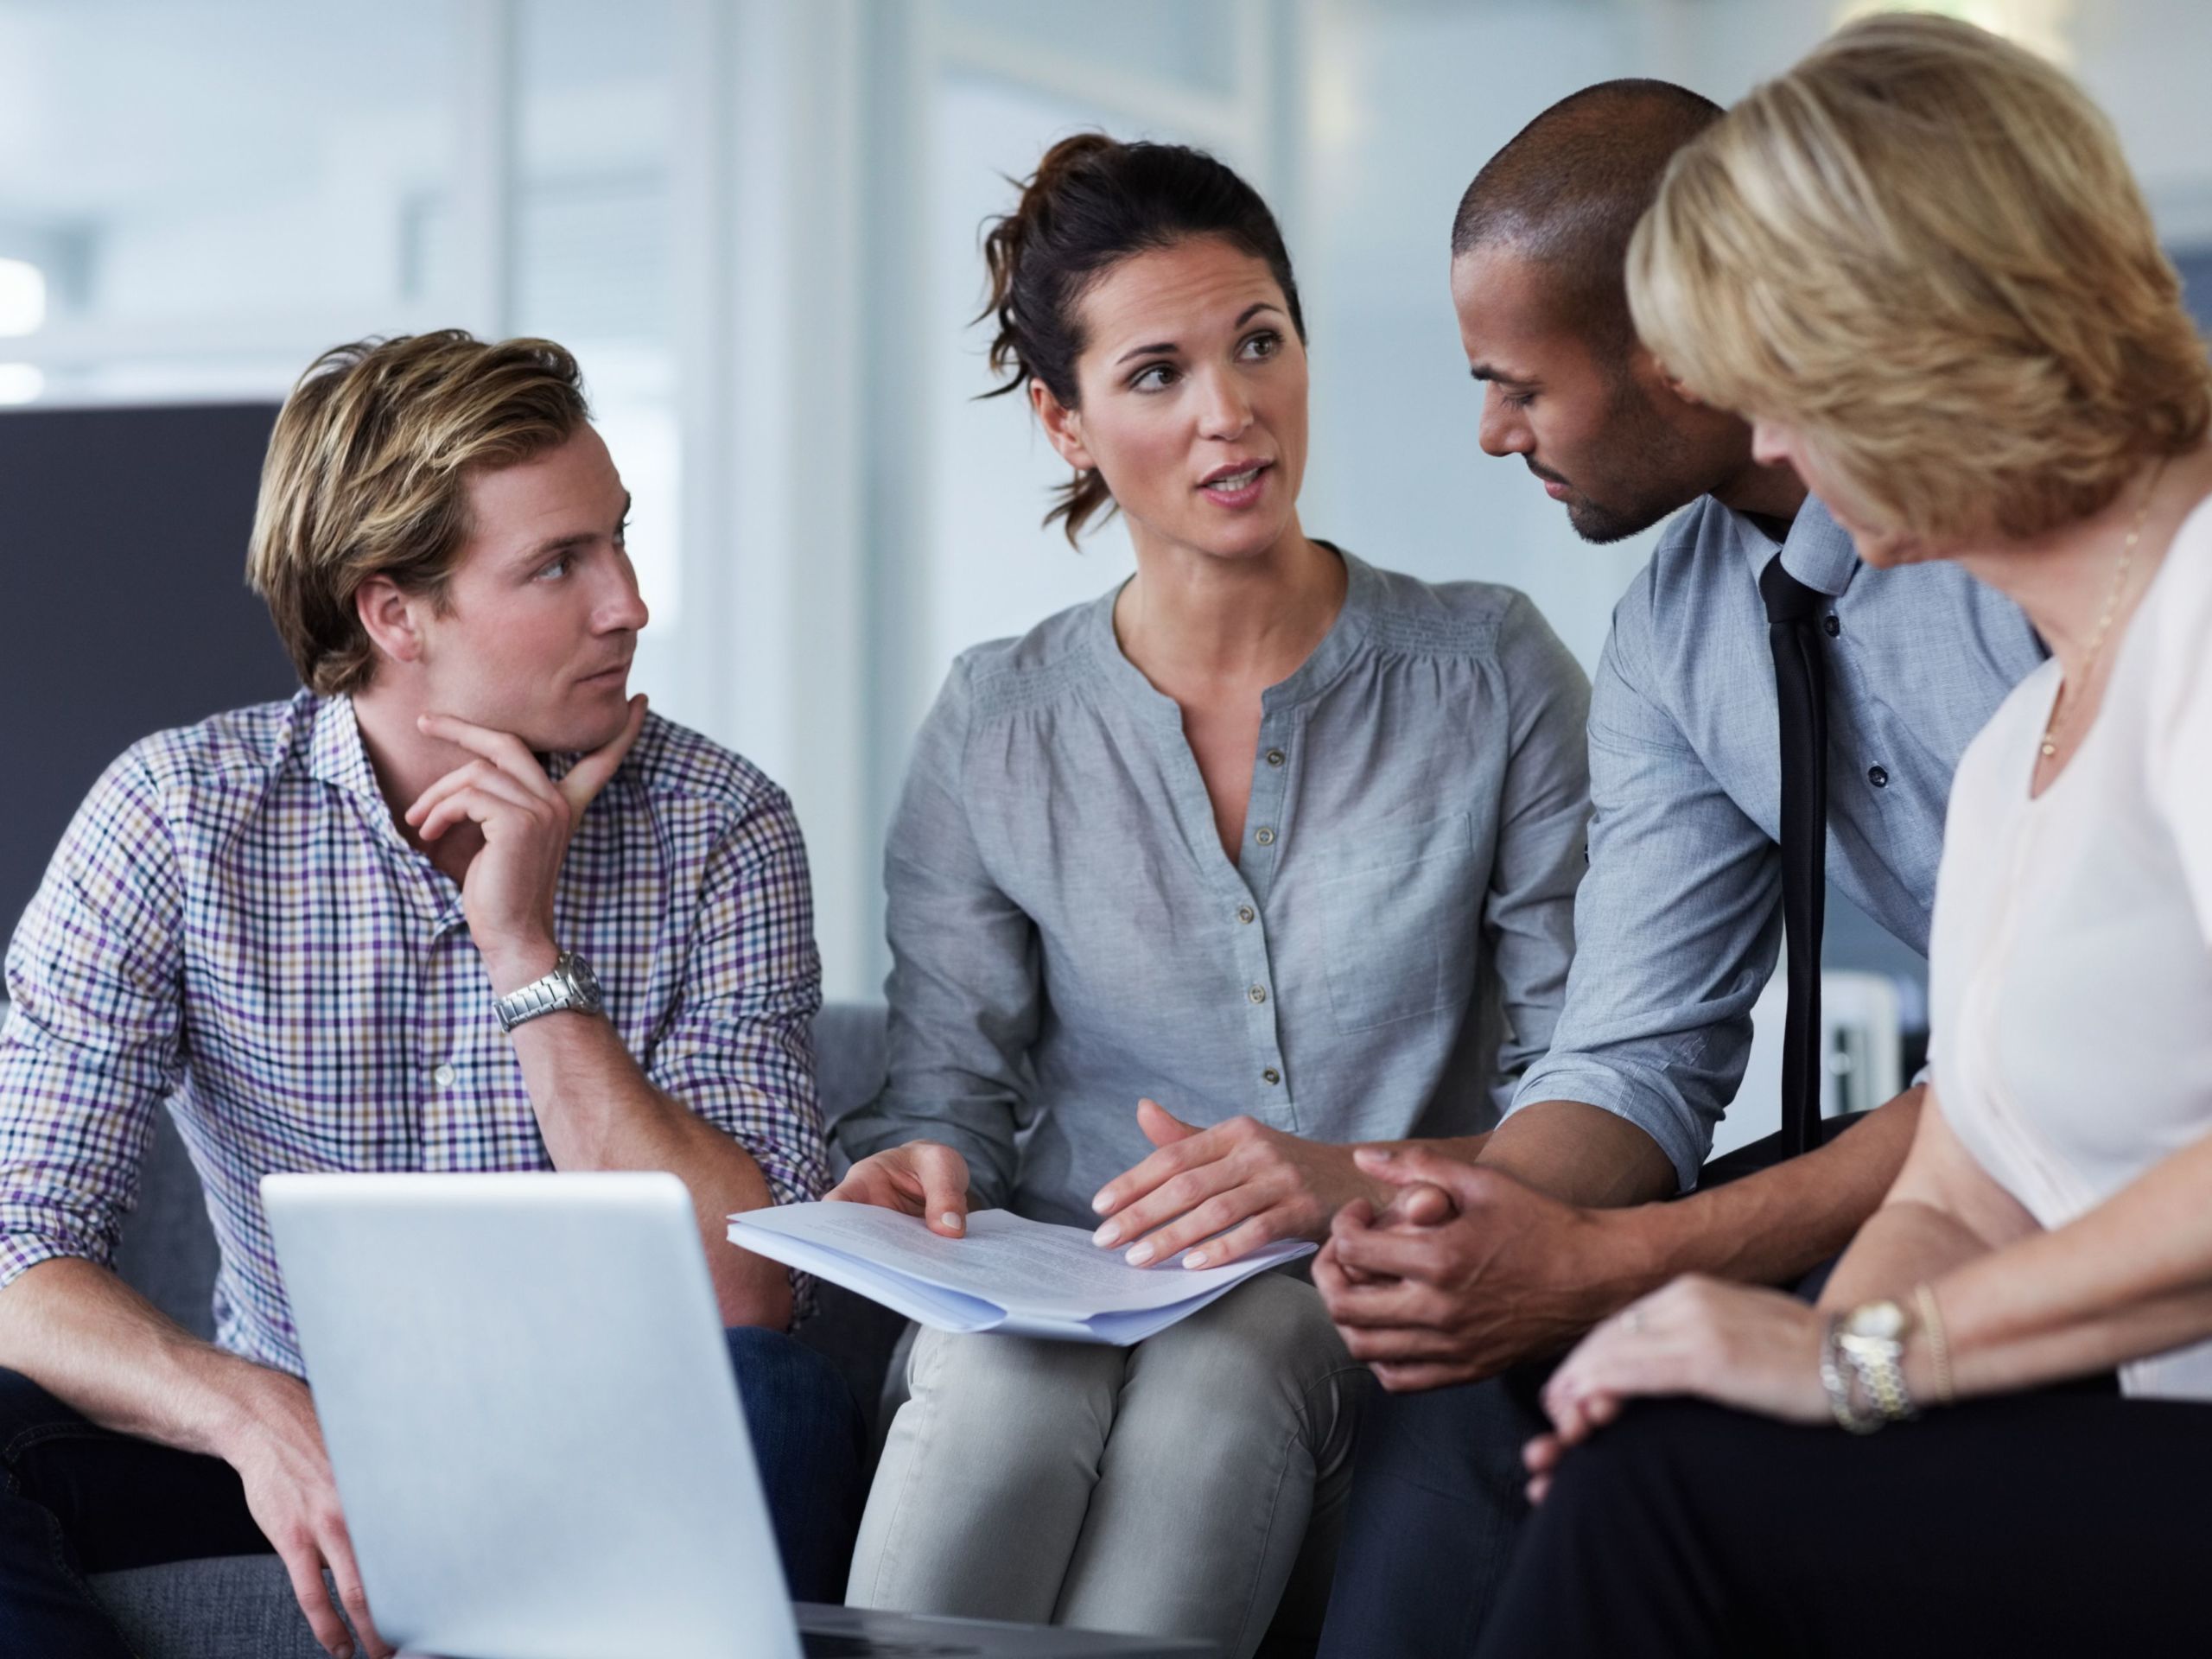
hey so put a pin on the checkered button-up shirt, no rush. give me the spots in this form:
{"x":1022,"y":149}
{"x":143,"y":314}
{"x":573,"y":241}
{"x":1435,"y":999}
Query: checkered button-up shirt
{"x":234,"y":926}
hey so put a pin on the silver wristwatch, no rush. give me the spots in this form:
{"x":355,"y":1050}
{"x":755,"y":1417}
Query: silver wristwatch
{"x":1866,"y":1347}
{"x":570,"y":985}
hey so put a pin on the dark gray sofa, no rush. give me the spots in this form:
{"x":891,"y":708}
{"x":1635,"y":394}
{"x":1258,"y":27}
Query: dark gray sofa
{"x":242,"y":1607}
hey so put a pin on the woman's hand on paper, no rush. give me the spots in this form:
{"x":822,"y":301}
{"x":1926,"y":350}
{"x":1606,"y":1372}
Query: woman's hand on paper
{"x":1250,"y":1184}
{"x":923,"y":1178}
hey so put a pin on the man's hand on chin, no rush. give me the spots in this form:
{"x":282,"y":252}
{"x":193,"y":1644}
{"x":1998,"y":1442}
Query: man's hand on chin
{"x":526,"y":820}
{"x":1470,"y":1272}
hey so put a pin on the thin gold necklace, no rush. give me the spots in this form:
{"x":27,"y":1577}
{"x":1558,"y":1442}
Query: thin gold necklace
{"x":2062,"y":707}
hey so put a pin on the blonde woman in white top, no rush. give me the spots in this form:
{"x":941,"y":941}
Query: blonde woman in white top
{"x":1919,"y":264}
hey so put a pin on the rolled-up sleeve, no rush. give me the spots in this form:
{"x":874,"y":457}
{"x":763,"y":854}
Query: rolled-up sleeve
{"x":964,"y":988}
{"x":739,"y":1049}
{"x":1544,"y":819}
{"x":92,"y":1043}
{"x":1677,"y":924}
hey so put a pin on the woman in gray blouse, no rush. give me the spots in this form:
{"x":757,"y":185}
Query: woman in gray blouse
{"x":1267,"y":854}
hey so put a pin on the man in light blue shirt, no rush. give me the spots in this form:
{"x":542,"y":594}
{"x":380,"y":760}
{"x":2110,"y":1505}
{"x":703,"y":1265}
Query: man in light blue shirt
{"x":1678,"y":922}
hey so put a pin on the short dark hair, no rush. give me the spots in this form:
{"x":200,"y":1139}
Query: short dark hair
{"x":1569,"y":189}
{"x":1092,"y":202}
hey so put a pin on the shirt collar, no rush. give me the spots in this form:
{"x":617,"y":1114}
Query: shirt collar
{"x":335,"y":753}
{"x":336,"y":756}
{"x":1818,"y":551}
{"x":1320,"y":668}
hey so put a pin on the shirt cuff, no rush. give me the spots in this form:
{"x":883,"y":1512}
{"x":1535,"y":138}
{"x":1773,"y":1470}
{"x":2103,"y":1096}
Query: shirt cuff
{"x":21,"y":1251}
{"x":1608,"y":1091}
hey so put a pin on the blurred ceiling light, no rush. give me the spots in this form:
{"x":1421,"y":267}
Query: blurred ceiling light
{"x":23,"y":298}
{"x":20,"y":383}
{"x":2044,"y":26}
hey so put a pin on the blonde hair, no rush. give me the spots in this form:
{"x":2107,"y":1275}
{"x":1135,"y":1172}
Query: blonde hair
{"x":367,"y":475}
{"x":1923,"y":247}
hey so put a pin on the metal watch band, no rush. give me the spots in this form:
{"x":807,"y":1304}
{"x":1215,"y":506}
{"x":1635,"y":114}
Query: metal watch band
{"x":539,"y":996}
{"x":1837,"y":1375}
{"x":1881,"y":1372}
{"x":1859,"y":1364}
{"x":548,"y":994}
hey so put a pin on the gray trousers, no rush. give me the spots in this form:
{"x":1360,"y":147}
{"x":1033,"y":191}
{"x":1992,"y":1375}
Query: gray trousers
{"x":1188,"y":1486}
{"x":1436,"y":1510}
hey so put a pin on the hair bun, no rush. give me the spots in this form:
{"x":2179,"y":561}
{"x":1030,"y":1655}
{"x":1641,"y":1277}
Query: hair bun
{"x":1076,"y":150}
{"x":1010,"y":234}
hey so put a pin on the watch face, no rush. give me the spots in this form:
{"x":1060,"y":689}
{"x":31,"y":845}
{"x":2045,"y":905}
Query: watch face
{"x":1884,"y":1321}
{"x":584,"y":983}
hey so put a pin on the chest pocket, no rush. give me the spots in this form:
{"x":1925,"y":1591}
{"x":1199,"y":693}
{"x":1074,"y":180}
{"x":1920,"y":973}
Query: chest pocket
{"x":1399,"y":910}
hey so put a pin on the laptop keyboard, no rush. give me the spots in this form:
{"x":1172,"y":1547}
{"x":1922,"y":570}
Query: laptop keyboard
{"x":829,"y":1644}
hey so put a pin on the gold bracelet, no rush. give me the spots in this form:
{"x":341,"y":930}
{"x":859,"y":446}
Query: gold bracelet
{"x":1939,"y":1341}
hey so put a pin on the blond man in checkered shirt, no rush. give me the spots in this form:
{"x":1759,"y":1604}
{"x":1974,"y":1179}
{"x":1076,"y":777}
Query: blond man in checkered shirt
{"x":291,"y":926}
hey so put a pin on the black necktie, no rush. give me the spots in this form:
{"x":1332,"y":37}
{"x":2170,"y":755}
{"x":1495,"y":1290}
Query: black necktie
{"x":1801,"y":693}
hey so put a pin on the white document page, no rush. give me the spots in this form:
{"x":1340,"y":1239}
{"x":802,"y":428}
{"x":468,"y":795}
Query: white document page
{"x":1008,"y":1273}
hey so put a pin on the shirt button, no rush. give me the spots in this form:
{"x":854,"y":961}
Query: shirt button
{"x":1877,"y":777}
{"x":1245,"y":913}
{"x":1275,"y":757}
{"x":444,"y":1075}
{"x":1271,"y":1076}
{"x":1832,"y":627}
{"x":1266,"y":837}
{"x":1258,"y":992}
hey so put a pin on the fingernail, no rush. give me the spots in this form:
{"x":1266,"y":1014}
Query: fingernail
{"x":1379,"y":1155}
{"x":1102,"y":1203}
{"x":1107,"y":1236}
{"x":951,"y":1222}
{"x":1195,"y":1259}
{"x":1139,"y":1256}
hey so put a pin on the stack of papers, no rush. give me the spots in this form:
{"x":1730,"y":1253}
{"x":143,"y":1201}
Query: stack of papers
{"x":1027,"y":1278}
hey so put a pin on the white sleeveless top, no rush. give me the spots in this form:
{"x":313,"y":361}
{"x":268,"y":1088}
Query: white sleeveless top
{"x":2072,"y":951}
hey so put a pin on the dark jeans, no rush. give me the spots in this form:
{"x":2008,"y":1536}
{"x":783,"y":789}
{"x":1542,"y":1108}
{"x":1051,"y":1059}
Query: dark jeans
{"x":2060,"y":1523}
{"x":1436,"y":1511}
{"x":76,"y":1500}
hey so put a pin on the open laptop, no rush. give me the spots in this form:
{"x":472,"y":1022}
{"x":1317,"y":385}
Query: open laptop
{"x":528,"y":1403}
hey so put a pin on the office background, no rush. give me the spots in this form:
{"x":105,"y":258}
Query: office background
{"x":756,"y":222}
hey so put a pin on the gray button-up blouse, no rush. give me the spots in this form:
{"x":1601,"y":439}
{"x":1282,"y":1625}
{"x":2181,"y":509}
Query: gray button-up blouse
{"x":1387,"y":954}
